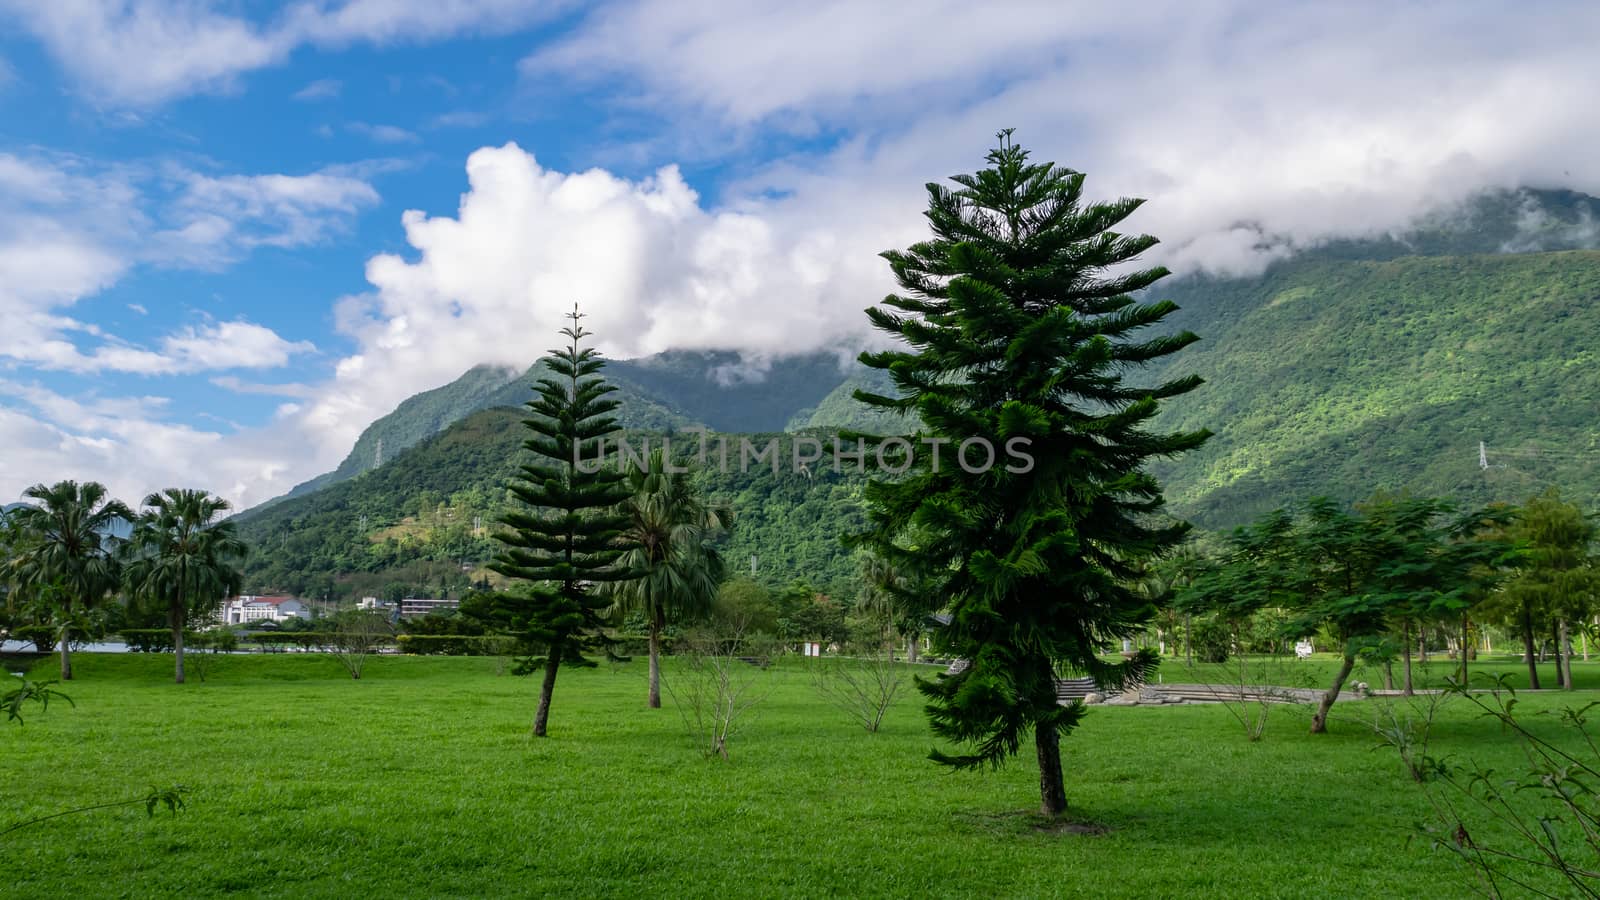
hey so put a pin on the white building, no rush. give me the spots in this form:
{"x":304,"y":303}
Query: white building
{"x":250,"y":608}
{"x":373,"y":603}
{"x":418,"y":606}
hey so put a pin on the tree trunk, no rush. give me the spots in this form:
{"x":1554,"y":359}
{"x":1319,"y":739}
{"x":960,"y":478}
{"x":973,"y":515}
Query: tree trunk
{"x":1188,"y":642}
{"x":912,"y":647}
{"x":175,"y":619}
{"x":177,"y":647}
{"x":66,"y":655}
{"x":1466,"y":648}
{"x":1564,"y":651}
{"x":1527,"y":649}
{"x":1052,"y":785}
{"x":552,"y":663}
{"x":655,"y":664}
{"x":1406,"y":643}
{"x":1556,"y":648}
{"x":1319,"y":722}
{"x":1422,"y":644}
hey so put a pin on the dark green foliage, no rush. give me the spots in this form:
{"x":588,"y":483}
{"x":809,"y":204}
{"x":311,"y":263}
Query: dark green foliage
{"x":65,"y":559}
{"x":1556,"y":579}
{"x":1212,"y":639}
{"x":1353,"y":575}
{"x":1016,"y":332}
{"x":673,"y":567}
{"x":39,"y":692}
{"x":807,"y":614}
{"x":790,"y":521}
{"x":744,"y":606}
{"x":567,"y":536}
{"x":183,"y":560}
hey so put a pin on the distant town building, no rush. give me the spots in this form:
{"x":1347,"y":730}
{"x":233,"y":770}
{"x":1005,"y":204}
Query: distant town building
{"x":421,"y":606}
{"x":373,"y":603}
{"x":249,"y":608}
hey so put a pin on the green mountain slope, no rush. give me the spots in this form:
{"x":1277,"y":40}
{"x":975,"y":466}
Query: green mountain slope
{"x":841,"y":410}
{"x":672,"y":390}
{"x":416,"y":519}
{"x":715,"y":388}
{"x":1346,"y":376}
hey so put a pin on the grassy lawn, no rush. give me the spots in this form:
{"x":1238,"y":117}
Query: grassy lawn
{"x":420,"y":780}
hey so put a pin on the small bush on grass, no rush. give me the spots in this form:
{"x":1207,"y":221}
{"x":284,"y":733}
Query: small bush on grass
{"x":717,"y":685}
{"x":863,"y":686}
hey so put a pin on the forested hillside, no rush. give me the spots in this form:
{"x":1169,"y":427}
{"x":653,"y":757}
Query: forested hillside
{"x":422,"y":522}
{"x":672,"y":390}
{"x":1346,"y":376}
{"x":1350,"y":368}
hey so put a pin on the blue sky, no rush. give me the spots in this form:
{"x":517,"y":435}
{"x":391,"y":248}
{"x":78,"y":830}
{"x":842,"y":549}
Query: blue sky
{"x":233,"y":233}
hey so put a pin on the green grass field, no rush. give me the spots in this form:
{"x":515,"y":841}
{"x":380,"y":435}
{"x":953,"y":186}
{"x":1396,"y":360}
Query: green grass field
{"x":421,"y":780}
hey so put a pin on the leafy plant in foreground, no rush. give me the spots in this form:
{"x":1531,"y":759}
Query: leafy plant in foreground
{"x":39,"y":692}
{"x":1550,"y":809}
{"x":169,"y":797}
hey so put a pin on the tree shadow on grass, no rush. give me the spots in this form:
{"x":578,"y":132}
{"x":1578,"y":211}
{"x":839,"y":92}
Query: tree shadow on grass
{"x":1026,"y":822}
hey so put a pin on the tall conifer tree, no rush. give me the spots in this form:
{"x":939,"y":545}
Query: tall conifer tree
{"x":1018,"y":323}
{"x":567,"y":539}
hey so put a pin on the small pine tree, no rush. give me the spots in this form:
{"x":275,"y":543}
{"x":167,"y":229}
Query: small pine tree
{"x":1018,"y":323}
{"x":567,"y":539}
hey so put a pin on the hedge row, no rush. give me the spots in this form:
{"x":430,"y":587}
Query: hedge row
{"x":159,"y":640}
{"x":457,"y":644}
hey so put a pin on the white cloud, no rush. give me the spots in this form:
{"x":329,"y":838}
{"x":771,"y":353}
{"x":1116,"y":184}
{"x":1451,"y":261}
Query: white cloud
{"x":1250,"y":129}
{"x":69,"y":229}
{"x":771,"y":56}
{"x":125,"y":442}
{"x":464,"y":118}
{"x":218,"y":218}
{"x":222,"y":345}
{"x":238,"y":386}
{"x":652,"y":267}
{"x":321,"y":89}
{"x":139,"y":52}
{"x":383,"y":134}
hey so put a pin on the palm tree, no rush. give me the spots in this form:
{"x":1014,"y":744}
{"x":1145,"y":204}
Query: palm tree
{"x":69,"y":549}
{"x":884,"y":586}
{"x":183,"y":557}
{"x":676,"y":569}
